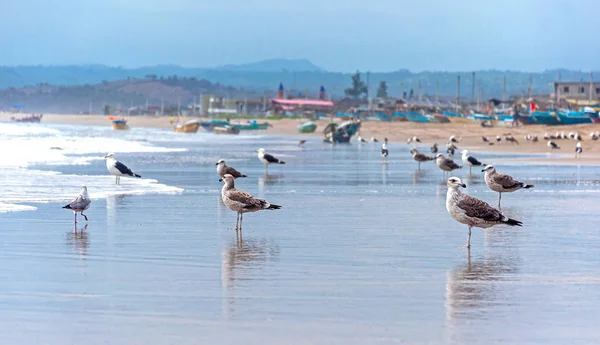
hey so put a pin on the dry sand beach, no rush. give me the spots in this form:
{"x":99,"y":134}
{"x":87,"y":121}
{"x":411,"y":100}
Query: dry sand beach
{"x":399,"y":131}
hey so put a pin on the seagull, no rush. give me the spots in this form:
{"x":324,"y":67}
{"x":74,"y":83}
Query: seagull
{"x":80,"y":203}
{"x":384,"y":149}
{"x":419,"y":157}
{"x":301,"y":142}
{"x":267,"y":159}
{"x":223,"y":169}
{"x":241,"y":202}
{"x":470,"y":160}
{"x":553,"y":146}
{"x":445,"y":164}
{"x":360,"y":139}
{"x":578,"y":137}
{"x":413,"y":139}
{"x":534,"y":138}
{"x":595,"y":136}
{"x":434,"y":148}
{"x":502,"y":183}
{"x":374,"y":140}
{"x":471,"y":211}
{"x":578,"y":149}
{"x":452,"y":139}
{"x":499,"y":139}
{"x":511,"y":139}
{"x":117,"y":168}
{"x":450,"y":147}
{"x":485,"y":139}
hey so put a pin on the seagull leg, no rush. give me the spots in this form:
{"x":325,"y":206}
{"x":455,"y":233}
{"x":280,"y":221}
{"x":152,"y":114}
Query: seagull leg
{"x":75,"y":217}
{"x":499,"y":197}
{"x":237,"y":221}
{"x":468,"y":245}
{"x":419,"y":166}
{"x":84,"y":216}
{"x":470,"y":171}
{"x":241,"y":218}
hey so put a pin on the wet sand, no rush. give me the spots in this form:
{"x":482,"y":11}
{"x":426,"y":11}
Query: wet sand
{"x":470,"y":134}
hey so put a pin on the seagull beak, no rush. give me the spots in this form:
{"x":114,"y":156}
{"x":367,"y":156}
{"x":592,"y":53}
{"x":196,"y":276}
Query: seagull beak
{"x":220,"y":180}
{"x":217,"y":164}
{"x":463,"y":185}
{"x":483,"y":170}
{"x":105,"y":157}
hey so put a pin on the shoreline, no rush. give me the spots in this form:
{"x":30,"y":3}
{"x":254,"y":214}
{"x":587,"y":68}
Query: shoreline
{"x":398,"y":132}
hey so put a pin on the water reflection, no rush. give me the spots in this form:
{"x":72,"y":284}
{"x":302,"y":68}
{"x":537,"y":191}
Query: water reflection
{"x":241,"y":264}
{"x":475,"y":289}
{"x":417,"y":176}
{"x":79,"y":239}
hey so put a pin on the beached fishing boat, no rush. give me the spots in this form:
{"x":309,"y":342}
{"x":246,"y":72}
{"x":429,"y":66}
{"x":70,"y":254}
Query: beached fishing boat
{"x":190,"y":126}
{"x":119,"y":124}
{"x":438,"y":118}
{"x":573,"y":117}
{"x":307,"y":127}
{"x":593,"y":113}
{"x":253,"y":126}
{"x":400,"y":116}
{"x":548,"y":118}
{"x":335,"y":134}
{"x":226,"y":129}
{"x":456,"y":117}
{"x":414,"y":116}
{"x":31,"y":118}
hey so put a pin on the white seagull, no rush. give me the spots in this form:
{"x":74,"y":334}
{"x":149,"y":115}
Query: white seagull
{"x":578,"y":149}
{"x":267,"y":159}
{"x":471,"y":211}
{"x":384,"y":149}
{"x":241,"y":202}
{"x":80,"y":203}
{"x":117,"y":168}
{"x":469,"y":160}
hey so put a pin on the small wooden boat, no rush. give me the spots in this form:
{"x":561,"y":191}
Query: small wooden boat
{"x":334,"y":134}
{"x":32,"y":118}
{"x":190,"y":126}
{"x":120,"y":124}
{"x":307,"y":127}
{"x":414,"y":116}
{"x":226,"y":130}
{"x":253,"y":126}
{"x":573,"y":117}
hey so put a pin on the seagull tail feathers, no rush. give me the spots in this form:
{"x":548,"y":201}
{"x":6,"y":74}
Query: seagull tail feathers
{"x":512,"y":222}
{"x":136,"y":175}
{"x":273,"y":207}
{"x":281,"y":162}
{"x":244,"y":175}
{"x":527,"y":186}
{"x":67,"y":207}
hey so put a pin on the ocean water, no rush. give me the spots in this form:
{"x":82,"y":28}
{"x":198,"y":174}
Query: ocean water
{"x":362,"y":252}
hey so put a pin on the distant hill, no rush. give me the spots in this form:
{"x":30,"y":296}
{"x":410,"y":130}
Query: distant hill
{"x":297,"y":76}
{"x":274,"y":65}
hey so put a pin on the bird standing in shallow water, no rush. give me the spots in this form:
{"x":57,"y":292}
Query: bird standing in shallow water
{"x":223,"y":169}
{"x":469,"y":160}
{"x":553,"y":146}
{"x":419,"y":157}
{"x":117,"y":168}
{"x":434,"y":148}
{"x":445,"y":164}
{"x":267,"y":159}
{"x":80,"y":203}
{"x":502,"y":183}
{"x":241,"y":202}
{"x":471,"y":211}
{"x":578,"y":149}
{"x":384,"y":149}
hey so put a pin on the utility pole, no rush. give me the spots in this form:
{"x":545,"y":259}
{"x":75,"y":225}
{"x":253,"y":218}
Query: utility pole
{"x":457,"y":91}
{"x":437,"y":91}
{"x":504,"y":89}
{"x":472,"y":86}
{"x":368,"y":90}
{"x":529,"y":87}
{"x":401,"y":89}
{"x":419,"y":94}
{"x":591,"y":84}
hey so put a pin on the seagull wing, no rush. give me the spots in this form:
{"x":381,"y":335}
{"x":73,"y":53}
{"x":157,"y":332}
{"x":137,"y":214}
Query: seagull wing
{"x":80,"y":203}
{"x":123,"y":169}
{"x":476,"y":208}
{"x":506,"y":181}
{"x":450,"y":164}
{"x":231,"y":171}
{"x":246,"y":199}
{"x":270,"y":158}
{"x":473,"y":160}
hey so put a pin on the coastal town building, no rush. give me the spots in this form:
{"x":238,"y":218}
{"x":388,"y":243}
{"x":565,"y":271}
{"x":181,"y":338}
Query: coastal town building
{"x":576,"y":92}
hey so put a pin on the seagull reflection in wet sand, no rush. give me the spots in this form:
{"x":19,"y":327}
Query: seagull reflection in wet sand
{"x":79,"y":239}
{"x":241,"y":262}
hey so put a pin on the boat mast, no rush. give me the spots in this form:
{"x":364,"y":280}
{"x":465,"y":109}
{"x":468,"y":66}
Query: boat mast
{"x":504,"y":89}
{"x":591,"y":85}
{"x":457,"y":90}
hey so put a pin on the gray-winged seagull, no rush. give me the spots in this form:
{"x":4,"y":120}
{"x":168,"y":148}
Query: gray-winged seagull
{"x":471,"y":211}
{"x":502,"y":183}
{"x":419,"y":157}
{"x":81,"y":203}
{"x":445,"y":164}
{"x":117,"y":168}
{"x":223,"y":169}
{"x":241,"y":202}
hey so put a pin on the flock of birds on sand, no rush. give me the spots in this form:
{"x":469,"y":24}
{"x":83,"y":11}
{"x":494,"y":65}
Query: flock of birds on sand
{"x":237,"y":200}
{"x":463,"y":208}
{"x":550,"y":138}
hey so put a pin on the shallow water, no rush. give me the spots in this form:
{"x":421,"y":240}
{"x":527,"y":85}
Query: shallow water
{"x":361,"y":252}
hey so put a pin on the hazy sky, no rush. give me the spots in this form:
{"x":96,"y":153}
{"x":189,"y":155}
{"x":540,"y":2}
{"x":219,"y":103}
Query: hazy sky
{"x":344,"y":35}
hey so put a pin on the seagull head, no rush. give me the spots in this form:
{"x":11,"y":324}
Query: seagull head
{"x":455,"y":182}
{"x":261,"y":150}
{"x":109,"y":155}
{"x":464,"y":152}
{"x":439,"y":155}
{"x":227,"y":178}
{"x":489,"y":168}
{"x":414,"y":151}
{"x":221,"y":162}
